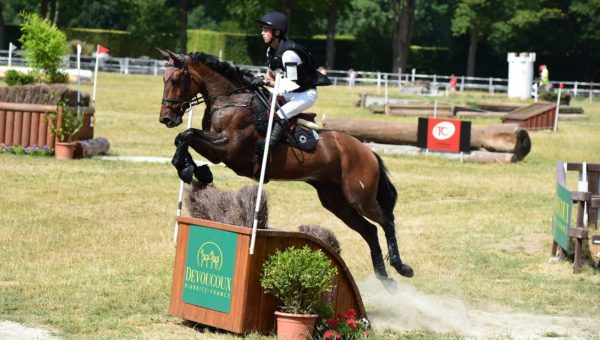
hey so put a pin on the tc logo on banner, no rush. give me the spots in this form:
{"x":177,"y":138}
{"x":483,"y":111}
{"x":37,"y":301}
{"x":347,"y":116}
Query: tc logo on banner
{"x":444,"y":135}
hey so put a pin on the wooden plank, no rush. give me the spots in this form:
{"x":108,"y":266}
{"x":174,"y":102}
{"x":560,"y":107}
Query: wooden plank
{"x":9,"y":127}
{"x":579,"y":166}
{"x":18,"y":123}
{"x":27,"y":107}
{"x":42,"y":130}
{"x":34,"y":128}
{"x":580,"y":196}
{"x":578,"y":232}
{"x":25,"y":129}
{"x":2,"y":125}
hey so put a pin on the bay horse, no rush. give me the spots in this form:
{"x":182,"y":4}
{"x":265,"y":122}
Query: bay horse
{"x":350,"y":179}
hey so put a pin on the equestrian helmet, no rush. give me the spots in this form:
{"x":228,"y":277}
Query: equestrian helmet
{"x":274,"y":20}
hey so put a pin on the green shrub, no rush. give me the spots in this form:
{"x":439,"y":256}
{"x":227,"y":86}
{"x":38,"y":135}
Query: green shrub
{"x":70,"y":125}
{"x":44,"y":45}
{"x":14,"y":77}
{"x":298,"y":278}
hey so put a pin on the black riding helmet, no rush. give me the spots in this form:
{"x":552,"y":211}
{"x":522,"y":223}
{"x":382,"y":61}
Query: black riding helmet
{"x":274,"y":20}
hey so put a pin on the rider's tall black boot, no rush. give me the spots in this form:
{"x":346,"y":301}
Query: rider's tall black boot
{"x":279,"y":128}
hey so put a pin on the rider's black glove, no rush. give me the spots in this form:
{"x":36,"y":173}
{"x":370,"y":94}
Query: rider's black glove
{"x":257,"y":82}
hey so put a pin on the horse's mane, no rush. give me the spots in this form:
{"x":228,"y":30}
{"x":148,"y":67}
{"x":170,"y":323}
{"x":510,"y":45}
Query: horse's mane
{"x":226,"y":69}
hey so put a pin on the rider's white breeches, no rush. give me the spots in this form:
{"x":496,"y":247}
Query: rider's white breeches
{"x":297,"y":102}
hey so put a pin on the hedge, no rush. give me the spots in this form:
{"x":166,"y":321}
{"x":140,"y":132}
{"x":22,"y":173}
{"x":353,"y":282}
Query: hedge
{"x":247,"y":49}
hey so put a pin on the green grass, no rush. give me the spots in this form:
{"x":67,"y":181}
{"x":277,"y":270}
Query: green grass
{"x":86,"y":246}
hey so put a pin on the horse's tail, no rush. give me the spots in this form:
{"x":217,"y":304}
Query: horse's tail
{"x":386,"y":192}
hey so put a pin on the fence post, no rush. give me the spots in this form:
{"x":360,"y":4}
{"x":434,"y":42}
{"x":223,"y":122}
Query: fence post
{"x":378,"y":81}
{"x":435,"y":80}
{"x":385,"y":79}
{"x":591,"y":91}
{"x":462,"y":83}
{"x":155,"y":67}
{"x":127,"y":65}
{"x":413,"y":75}
{"x":575,"y":90}
{"x":491,"y":86}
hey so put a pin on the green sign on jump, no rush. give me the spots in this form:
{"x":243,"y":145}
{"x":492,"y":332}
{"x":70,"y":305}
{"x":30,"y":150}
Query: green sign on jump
{"x":561,"y":221}
{"x":209,"y":266}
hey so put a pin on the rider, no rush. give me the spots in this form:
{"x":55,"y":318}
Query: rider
{"x":297,"y":62}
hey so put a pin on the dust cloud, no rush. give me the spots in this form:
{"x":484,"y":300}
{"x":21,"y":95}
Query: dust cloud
{"x":409,"y":309}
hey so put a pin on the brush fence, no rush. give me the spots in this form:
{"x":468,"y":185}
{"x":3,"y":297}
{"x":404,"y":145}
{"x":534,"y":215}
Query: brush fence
{"x":26,"y":124}
{"x":216,"y":282}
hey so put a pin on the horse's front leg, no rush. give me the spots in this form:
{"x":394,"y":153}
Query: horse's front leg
{"x":211,"y":145}
{"x":186,"y":167}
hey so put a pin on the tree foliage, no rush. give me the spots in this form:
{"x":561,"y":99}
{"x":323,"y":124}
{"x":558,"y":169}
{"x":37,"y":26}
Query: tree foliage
{"x":559,"y":31}
{"x":44,"y":45}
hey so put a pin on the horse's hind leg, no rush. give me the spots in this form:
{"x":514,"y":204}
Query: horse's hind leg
{"x":395,"y":260}
{"x":333,"y":200}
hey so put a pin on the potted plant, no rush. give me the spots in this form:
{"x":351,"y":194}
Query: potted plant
{"x":64,"y":125}
{"x":298,"y":278}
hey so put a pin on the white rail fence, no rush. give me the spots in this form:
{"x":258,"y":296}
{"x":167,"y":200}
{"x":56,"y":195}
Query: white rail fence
{"x":338,"y":77}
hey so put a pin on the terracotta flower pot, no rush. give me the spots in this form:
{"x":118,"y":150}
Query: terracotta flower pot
{"x":295,"y":326}
{"x":64,"y":150}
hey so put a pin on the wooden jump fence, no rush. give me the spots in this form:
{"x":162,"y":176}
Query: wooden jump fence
{"x":26,"y":124}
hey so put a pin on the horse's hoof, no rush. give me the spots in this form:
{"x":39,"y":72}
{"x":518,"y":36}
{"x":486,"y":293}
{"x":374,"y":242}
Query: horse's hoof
{"x":203,"y":174}
{"x":403,"y":269}
{"x":390,"y":285}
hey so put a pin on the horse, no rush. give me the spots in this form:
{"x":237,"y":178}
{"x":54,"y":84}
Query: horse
{"x":351,"y":181}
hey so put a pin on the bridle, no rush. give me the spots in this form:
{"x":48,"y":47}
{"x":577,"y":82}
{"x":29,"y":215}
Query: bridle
{"x":186,"y":104}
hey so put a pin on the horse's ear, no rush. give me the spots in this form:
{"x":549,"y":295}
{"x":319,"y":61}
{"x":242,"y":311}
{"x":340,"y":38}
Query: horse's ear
{"x":177,"y":59}
{"x":164,"y":53}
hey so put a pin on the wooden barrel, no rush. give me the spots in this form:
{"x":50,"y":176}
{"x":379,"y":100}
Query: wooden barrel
{"x":238,"y":303}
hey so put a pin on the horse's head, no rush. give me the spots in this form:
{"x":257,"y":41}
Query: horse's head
{"x":181,"y":88}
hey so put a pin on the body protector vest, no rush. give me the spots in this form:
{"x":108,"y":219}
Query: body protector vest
{"x":307,"y":75}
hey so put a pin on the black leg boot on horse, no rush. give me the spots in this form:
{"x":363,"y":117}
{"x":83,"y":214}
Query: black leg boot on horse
{"x":187,"y":168}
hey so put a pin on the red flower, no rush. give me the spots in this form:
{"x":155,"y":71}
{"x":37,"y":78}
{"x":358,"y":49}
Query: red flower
{"x":329,"y":334}
{"x":351,"y":323}
{"x":340,"y":316}
{"x":351,"y":313}
{"x":332,"y":322}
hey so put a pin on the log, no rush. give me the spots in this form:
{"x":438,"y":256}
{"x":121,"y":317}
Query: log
{"x":473,"y":156}
{"x":506,"y":138}
{"x":91,"y":147}
{"x":497,"y":107}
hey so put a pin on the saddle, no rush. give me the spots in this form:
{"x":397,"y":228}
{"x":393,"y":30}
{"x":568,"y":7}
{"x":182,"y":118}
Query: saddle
{"x":297,"y":135}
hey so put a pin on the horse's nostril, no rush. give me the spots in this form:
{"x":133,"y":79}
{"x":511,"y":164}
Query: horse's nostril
{"x":165,"y":120}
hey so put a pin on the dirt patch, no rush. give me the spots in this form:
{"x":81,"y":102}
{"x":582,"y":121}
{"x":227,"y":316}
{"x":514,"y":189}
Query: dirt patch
{"x":410,"y":309}
{"x":16,"y":331}
{"x":531,"y":244}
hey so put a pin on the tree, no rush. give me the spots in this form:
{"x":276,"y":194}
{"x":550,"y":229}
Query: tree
{"x":1,"y":24}
{"x":153,"y":23}
{"x":475,"y":17}
{"x":331,"y":21}
{"x":182,"y":12}
{"x":404,"y":17}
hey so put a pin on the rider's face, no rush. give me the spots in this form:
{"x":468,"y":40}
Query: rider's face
{"x":267,"y":34}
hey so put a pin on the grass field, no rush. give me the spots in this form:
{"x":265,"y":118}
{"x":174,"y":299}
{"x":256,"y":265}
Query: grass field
{"x":86,"y":246}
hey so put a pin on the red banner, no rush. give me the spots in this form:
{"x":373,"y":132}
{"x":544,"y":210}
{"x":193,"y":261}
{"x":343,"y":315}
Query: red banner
{"x":443,"y":135}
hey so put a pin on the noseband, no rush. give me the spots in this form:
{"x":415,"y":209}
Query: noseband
{"x":186,"y":104}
